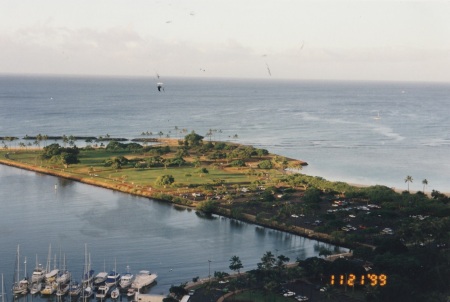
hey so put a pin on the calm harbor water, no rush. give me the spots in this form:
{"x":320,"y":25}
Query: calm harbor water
{"x":171,"y":241}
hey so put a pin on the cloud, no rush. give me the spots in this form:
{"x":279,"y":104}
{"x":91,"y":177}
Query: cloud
{"x":122,"y":50}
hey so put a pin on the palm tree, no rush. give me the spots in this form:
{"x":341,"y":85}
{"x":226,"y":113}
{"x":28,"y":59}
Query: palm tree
{"x":236,"y":264}
{"x":408,"y":179}
{"x":425,"y":183}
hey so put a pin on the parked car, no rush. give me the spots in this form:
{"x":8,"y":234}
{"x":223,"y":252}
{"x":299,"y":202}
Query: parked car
{"x":289,"y":294}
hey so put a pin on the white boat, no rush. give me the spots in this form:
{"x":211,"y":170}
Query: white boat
{"x":50,"y":275}
{"x":126,"y":279}
{"x":20,"y":286}
{"x":88,"y":276}
{"x":143,"y":278}
{"x":86,"y":292}
{"x":63,"y":289}
{"x":38,"y":274}
{"x":49,"y":288}
{"x":100,"y":278}
{"x":35,"y":288}
{"x":64,"y":275}
{"x":102,"y":292}
{"x":115,"y":293}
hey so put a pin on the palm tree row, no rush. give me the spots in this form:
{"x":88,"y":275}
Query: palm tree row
{"x":409,"y":180}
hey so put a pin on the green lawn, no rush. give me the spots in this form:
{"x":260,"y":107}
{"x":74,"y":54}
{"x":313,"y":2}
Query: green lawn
{"x":92,"y":165}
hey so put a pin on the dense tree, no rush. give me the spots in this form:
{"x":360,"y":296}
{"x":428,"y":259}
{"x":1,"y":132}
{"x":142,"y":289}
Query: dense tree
{"x":265,"y":164}
{"x":193,"y":139}
{"x":267,"y":261}
{"x":165,"y":180}
{"x":178,"y":291}
{"x":56,"y":153}
{"x":68,"y":159}
{"x":207,"y":206}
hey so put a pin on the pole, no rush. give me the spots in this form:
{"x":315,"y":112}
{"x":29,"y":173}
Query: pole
{"x":209,"y":270}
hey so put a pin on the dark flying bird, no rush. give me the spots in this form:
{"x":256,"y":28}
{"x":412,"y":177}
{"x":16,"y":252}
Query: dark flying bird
{"x":268,"y":69}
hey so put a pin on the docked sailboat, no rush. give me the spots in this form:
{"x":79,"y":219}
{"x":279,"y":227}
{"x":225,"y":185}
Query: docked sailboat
{"x":20,"y":286}
{"x":64,"y":275}
{"x":100,"y":278}
{"x":49,"y":288}
{"x":51,"y":274}
{"x":75,"y":289}
{"x":50,"y":277}
{"x":88,"y":276}
{"x":63,"y":289}
{"x":143,"y":278}
{"x":35,"y":288}
{"x":3,"y":295}
{"x":113,"y":277}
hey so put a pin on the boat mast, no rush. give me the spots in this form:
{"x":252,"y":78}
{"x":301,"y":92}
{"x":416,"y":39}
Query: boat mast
{"x":3,"y":290}
{"x":25,"y":272}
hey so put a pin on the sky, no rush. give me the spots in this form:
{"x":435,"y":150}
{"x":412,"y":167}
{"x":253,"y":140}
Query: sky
{"x":381,"y":40}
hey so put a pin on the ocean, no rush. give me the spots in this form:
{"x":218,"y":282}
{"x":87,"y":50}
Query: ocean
{"x":359,"y":132}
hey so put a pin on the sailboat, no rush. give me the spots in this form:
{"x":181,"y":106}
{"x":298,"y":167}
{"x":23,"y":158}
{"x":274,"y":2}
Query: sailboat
{"x":113,"y":277}
{"x":49,"y":288}
{"x":3,"y":291}
{"x":75,"y":289}
{"x":20,"y":286}
{"x":88,"y":275}
{"x":64,"y":275}
{"x":100,"y":278}
{"x":63,"y":289}
{"x":377,"y":117}
{"x":50,"y":275}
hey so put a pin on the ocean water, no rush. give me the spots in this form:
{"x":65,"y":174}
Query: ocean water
{"x":331,"y":125}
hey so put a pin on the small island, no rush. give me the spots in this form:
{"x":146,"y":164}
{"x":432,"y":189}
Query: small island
{"x":386,"y":230}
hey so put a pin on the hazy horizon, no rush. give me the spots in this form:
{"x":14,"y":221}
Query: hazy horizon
{"x":350,"y":40}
